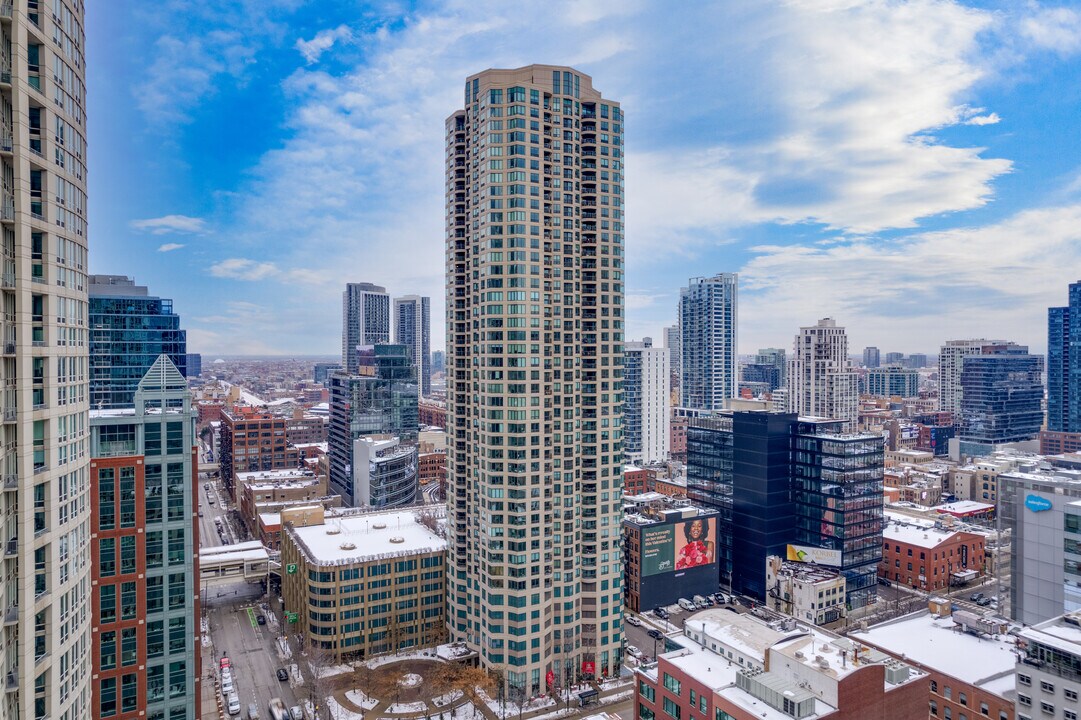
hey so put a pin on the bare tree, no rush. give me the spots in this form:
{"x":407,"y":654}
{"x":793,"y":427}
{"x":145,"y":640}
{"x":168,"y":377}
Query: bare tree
{"x":470,"y":681}
{"x":322,"y":685}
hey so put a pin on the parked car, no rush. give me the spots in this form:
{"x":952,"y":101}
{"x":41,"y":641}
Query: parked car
{"x":296,"y":713}
{"x":884,"y":581}
{"x":233,"y":704}
{"x":226,"y":675}
{"x":976,"y":597}
{"x":720,"y":598}
{"x":224,"y":662}
{"x":632,"y":620}
{"x":227,"y":687}
{"x":661,"y":613}
{"x":261,"y":619}
{"x":700,"y":602}
{"x":282,"y":675}
{"x":686,"y":604}
{"x":634,"y":652}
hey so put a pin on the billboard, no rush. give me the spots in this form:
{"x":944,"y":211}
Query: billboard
{"x":679,"y":546}
{"x":818,"y":556}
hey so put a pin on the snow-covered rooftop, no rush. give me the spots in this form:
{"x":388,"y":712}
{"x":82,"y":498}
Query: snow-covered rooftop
{"x":938,"y":643}
{"x":348,"y":539}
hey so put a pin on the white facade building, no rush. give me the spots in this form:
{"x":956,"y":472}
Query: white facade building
{"x":806,"y":591}
{"x":1049,"y":673}
{"x":821,"y":382}
{"x":709,"y":363}
{"x":647,"y":405}
{"x":365,"y":320}
{"x":951,"y":360}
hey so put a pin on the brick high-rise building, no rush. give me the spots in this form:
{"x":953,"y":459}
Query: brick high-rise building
{"x":144,"y":476}
{"x":534,"y":375}
{"x":253,"y":439}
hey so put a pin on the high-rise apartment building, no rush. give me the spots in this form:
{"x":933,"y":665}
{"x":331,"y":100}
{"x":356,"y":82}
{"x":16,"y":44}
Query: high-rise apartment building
{"x":893,"y":358}
{"x":647,"y":406}
{"x":950,"y":363}
{"x":675,"y":352}
{"x":872,"y":358}
{"x":381,"y":399}
{"x":1064,"y":364}
{"x":708,"y":313}
{"x":893,"y":380}
{"x":777,"y":358}
{"x":412,"y":328}
{"x":534,"y":375}
{"x":129,"y":329}
{"x":1001,"y":395}
{"x":45,"y":594}
{"x":365,"y":320}
{"x":821,"y":382}
{"x":144,"y":493}
{"x":253,"y":439}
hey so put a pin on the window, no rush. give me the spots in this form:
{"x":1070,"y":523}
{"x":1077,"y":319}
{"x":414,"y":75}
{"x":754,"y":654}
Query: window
{"x":1023,"y":699}
{"x":947,"y":712}
{"x":934,"y":686}
{"x":646,"y":691}
{"x":1047,"y":708}
{"x":1047,"y":687}
{"x":1070,"y":694}
{"x":1069,"y":714}
{"x":671,"y":708}
{"x":645,"y":713}
{"x":1023,"y":679}
{"x":108,"y":603}
{"x":962,"y":699}
{"x":671,"y":684}
{"x":934,"y":708}
{"x":108,"y":650}
{"x":128,"y":646}
{"x":984,"y":710}
{"x":947,"y":693}
{"x":107,"y":557}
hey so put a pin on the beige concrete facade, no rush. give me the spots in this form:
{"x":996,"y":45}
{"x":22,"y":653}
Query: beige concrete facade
{"x":534,"y":218}
{"x":45,"y":595}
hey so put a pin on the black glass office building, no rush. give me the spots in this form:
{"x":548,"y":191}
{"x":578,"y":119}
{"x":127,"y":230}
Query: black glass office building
{"x":129,"y":329}
{"x":1002,"y":395}
{"x":776,"y":479}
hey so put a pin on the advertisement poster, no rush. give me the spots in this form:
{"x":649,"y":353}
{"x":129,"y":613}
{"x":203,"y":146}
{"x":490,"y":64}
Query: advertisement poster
{"x":819,"y":556}
{"x":680,"y":546}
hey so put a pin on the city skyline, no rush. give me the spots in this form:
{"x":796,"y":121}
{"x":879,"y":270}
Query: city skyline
{"x":947,"y":200}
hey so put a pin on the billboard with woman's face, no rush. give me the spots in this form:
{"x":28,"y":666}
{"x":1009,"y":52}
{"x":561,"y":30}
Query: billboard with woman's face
{"x":679,"y":546}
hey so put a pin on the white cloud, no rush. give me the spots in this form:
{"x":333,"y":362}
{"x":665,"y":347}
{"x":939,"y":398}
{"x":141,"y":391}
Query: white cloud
{"x":167,"y":224}
{"x":1057,"y":29}
{"x":914,"y":292}
{"x":324,"y":40}
{"x":990,"y":119}
{"x":243,"y":269}
{"x":169,"y":247}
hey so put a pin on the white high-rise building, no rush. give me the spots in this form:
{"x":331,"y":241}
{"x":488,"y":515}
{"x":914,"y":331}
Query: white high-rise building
{"x":365,"y":320}
{"x":951,"y":360}
{"x":45,"y":644}
{"x":412,"y":328}
{"x":673,"y":345}
{"x":709,"y":363}
{"x":534,"y":211}
{"x":821,"y":382}
{"x":647,"y":405}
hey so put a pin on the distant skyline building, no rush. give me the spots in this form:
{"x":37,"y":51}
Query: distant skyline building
{"x":821,"y":382}
{"x":535,"y":318}
{"x":1002,"y":395}
{"x":195,"y":364}
{"x":765,"y":374}
{"x":893,"y":358}
{"x":129,"y":329}
{"x":893,"y":380}
{"x":1064,"y":364}
{"x":950,"y":363}
{"x":871,"y":357}
{"x":916,"y":360}
{"x":381,"y":399}
{"x":647,"y":406}
{"x":708,"y":316}
{"x":777,"y":357}
{"x":365,"y":320}
{"x":675,"y":352}
{"x":412,"y":328}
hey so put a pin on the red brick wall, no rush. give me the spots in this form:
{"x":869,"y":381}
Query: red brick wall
{"x":862,"y":696}
{"x":938,"y":562}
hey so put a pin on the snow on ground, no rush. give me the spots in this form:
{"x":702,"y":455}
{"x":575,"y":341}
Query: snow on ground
{"x":206,"y":641}
{"x":340,"y":712}
{"x":452,"y":651}
{"x":410,"y":707}
{"x":295,"y":677}
{"x":616,"y":682}
{"x":325,"y":671}
{"x":447,"y":698}
{"x":284,"y":652}
{"x":410,"y":680}
{"x":414,"y":655}
{"x":359,"y":697}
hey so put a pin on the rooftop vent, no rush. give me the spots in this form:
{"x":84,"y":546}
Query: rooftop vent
{"x":333,"y":530}
{"x":348,"y":546}
{"x":379,"y":526}
{"x":397,"y":539}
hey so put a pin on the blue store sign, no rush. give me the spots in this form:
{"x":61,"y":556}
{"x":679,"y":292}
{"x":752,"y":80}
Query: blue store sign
{"x":1035,"y":503}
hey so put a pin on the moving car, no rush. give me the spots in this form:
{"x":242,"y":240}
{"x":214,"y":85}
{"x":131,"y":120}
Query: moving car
{"x":632,"y":620}
{"x":976,"y":597}
{"x":233,"y":704}
{"x":282,"y":675}
{"x":277,"y":710}
{"x":984,"y":601}
{"x":260,"y":619}
{"x":253,"y":711}
{"x":633,"y":651}
{"x":655,"y":634}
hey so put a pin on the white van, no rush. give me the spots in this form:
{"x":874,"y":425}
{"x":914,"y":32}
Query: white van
{"x":227,"y":688}
{"x":233,"y":704}
{"x":700,"y":602}
{"x":686,"y":604}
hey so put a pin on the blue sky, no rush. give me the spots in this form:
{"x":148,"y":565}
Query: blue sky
{"x":912,"y":169}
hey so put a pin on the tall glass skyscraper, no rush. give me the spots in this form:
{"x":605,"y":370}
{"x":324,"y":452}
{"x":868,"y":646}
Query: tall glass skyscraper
{"x":1064,"y":364}
{"x":412,"y":328}
{"x":365,"y":320}
{"x":708,"y":313}
{"x":45,"y":593}
{"x":1001,"y":395}
{"x":381,"y":399}
{"x":534,"y":181}
{"x":129,"y":329}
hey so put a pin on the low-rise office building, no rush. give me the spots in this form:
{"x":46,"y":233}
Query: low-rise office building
{"x":385,"y":472}
{"x":1049,"y":673}
{"x":670,"y":551}
{"x":810,"y":592}
{"x":970,"y":661}
{"x":924,"y":556}
{"x":361,"y":583}
{"x":737,"y":667}
{"x":269,"y":490}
